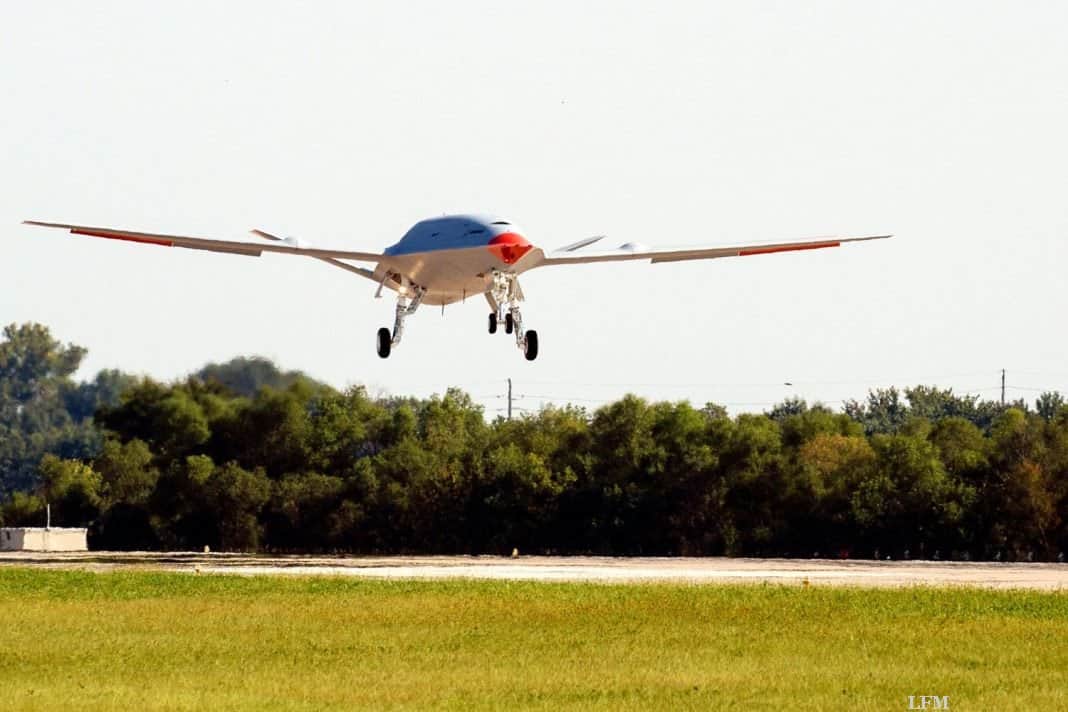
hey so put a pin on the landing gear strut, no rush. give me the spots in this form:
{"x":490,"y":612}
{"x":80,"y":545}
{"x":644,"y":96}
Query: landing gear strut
{"x":504,"y":295}
{"x":405,"y":308}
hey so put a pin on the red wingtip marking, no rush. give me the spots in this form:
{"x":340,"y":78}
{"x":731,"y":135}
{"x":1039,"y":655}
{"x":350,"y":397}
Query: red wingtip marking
{"x":509,"y":247}
{"x":787,"y":248}
{"x":120,"y":236}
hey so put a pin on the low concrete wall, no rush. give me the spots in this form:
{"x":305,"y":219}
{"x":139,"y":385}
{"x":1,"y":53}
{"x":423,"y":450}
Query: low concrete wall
{"x":42,"y":539}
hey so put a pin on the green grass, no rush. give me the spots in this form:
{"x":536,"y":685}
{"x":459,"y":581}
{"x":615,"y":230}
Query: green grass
{"x":141,"y":640}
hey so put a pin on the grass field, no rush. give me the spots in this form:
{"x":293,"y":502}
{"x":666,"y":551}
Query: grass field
{"x":142,"y":640}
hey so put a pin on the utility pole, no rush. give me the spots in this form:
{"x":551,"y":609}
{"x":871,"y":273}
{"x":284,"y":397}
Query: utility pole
{"x":1002,"y":388}
{"x":510,"y":399}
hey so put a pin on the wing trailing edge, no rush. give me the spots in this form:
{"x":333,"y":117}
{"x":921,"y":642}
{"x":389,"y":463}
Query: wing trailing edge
{"x":679,"y":254}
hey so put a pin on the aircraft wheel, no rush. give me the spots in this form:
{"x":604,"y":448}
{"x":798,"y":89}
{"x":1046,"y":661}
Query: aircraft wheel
{"x":385,"y":342}
{"x":493,"y":323}
{"x":509,"y":323}
{"x":531,"y":350}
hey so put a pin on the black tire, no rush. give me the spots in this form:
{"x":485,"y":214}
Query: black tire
{"x":531,"y":350}
{"x":493,"y":323}
{"x":385,"y":342}
{"x":509,"y":323}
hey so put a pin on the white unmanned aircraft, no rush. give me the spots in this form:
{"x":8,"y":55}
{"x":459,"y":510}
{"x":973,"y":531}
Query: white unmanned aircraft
{"x":446,"y":259}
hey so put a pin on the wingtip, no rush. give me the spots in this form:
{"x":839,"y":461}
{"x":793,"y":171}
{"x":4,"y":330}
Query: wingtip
{"x":41,"y":223}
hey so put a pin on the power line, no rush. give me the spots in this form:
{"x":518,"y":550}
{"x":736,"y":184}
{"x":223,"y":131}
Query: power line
{"x":1034,"y":390}
{"x":549,"y":399}
{"x":766,"y":384}
{"x":1043,"y":373}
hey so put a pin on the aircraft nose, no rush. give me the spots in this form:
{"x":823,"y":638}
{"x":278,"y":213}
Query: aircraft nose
{"x":509,"y":247}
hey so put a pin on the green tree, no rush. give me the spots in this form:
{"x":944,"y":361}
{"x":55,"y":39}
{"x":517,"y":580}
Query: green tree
{"x":1020,"y":500}
{"x":246,"y":375}
{"x":801,"y":514}
{"x":419,"y":500}
{"x":72,"y":488}
{"x":305,"y":513}
{"x":127,"y":472}
{"x":753,"y":462}
{"x":235,"y":497}
{"x":345,"y":427}
{"x":273,"y":431}
{"x":1049,"y":404}
{"x":35,"y":372}
{"x":909,"y":501}
{"x":23,"y":509}
{"x":619,"y":486}
{"x":962,"y":448}
{"x":183,"y":504}
{"x":168,"y":418}
{"x":787,"y":408}
{"x":83,"y":399}
{"x":882,"y":413}
{"x":556,"y":445}
{"x":833,"y":466}
{"x":936,"y":404}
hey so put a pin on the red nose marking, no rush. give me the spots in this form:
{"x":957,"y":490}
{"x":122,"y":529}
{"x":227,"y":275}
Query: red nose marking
{"x":509,"y":247}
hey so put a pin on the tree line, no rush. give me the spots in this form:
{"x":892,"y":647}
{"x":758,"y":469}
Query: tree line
{"x":243,"y":456}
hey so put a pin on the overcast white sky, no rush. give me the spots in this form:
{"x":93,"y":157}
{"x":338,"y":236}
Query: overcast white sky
{"x":664,"y":123}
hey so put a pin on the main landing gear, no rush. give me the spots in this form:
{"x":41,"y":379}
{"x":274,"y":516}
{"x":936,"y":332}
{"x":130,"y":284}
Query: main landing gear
{"x":405,"y":308}
{"x":504,"y":295}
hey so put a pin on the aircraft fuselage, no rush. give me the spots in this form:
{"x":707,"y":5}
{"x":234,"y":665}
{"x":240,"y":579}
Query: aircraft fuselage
{"x":454,"y":256}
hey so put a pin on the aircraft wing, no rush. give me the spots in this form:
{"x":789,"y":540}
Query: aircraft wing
{"x":679,"y":254}
{"x":232,"y":247}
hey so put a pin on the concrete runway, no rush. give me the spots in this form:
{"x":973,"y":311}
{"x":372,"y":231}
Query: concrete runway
{"x":1040,"y":576}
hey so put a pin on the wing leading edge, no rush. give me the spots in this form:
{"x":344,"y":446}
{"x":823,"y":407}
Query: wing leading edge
{"x":232,"y":247}
{"x":679,"y":254}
